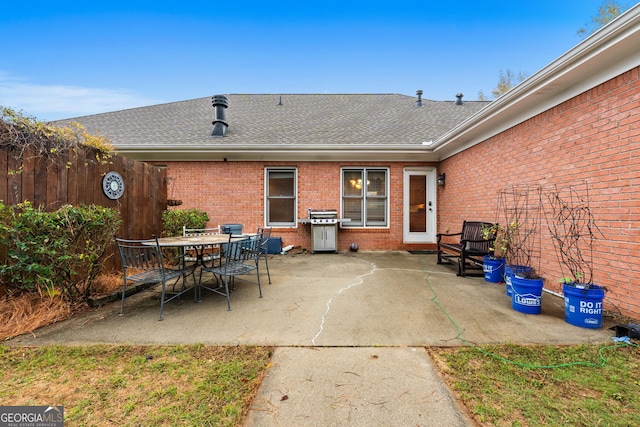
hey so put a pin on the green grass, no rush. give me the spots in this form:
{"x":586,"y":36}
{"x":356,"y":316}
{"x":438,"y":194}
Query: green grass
{"x":508,"y":385}
{"x":192,"y":385}
{"x":197,"y":385}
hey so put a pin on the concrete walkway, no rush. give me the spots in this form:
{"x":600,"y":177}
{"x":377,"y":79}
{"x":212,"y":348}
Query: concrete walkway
{"x":350,"y":330}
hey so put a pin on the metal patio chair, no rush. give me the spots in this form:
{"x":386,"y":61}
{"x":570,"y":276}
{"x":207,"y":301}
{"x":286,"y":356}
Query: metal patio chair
{"x":142,"y":262}
{"x":240,"y":258}
{"x":264,"y":247}
{"x":209,"y":253}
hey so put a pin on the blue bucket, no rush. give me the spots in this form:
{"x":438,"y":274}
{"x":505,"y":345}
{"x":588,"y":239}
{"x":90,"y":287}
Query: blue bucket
{"x":509,"y":271}
{"x":527,"y":295}
{"x":493,"y":269}
{"x":583,"y":307}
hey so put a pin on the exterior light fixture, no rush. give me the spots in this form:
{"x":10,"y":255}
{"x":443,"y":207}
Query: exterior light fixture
{"x":441,"y":179}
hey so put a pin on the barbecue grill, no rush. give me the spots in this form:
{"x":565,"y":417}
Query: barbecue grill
{"x":324,"y":229}
{"x":324,"y":216}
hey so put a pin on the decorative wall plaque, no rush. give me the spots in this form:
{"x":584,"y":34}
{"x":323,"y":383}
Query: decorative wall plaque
{"x":113,"y":185}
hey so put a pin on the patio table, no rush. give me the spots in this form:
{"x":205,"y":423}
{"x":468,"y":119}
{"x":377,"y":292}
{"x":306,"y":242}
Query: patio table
{"x":198,"y":243}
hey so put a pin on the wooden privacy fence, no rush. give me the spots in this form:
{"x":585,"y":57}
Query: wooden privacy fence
{"x":76,"y":178}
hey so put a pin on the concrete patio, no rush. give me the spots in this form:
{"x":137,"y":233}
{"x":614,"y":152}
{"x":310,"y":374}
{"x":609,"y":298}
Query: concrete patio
{"x":348,"y":299}
{"x":350,"y":330}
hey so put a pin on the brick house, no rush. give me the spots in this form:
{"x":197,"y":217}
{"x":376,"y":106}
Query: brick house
{"x":376,"y":158}
{"x":276,"y":156}
{"x":576,"y":120}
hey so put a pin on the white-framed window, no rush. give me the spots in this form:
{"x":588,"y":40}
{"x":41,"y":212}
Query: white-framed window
{"x":365,"y":197}
{"x":280,"y":196}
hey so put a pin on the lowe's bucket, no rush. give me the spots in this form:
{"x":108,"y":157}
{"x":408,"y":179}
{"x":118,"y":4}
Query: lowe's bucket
{"x":509,"y":272}
{"x":583,"y":307}
{"x":527,"y":294}
{"x":493,"y":269}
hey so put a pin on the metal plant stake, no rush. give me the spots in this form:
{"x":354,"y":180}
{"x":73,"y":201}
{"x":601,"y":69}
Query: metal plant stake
{"x":573,"y":232}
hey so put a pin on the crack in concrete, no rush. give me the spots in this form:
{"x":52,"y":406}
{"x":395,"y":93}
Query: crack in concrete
{"x":359,"y":281}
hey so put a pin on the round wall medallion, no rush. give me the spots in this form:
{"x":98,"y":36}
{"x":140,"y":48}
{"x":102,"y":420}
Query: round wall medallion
{"x":113,"y":185}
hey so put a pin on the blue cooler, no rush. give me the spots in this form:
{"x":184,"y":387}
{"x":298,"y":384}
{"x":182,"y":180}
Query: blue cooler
{"x":274,"y":245}
{"x":231,"y":228}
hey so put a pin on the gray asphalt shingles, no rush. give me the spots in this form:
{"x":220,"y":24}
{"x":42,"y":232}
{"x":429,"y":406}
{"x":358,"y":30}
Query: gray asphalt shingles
{"x":301,"y":119}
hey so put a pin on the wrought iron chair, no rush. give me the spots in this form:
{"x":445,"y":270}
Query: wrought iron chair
{"x":209,"y":253}
{"x":264,"y":247}
{"x":142,"y":262}
{"x":240,"y":258}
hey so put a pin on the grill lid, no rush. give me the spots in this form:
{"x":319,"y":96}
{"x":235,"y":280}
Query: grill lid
{"x":323,"y":213}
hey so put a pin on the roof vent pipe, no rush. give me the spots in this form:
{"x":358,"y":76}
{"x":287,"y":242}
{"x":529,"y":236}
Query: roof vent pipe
{"x":459,"y":99}
{"x":419,"y":101}
{"x":220,"y":126}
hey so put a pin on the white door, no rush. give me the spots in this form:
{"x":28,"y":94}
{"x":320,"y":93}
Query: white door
{"x":419,"y":205}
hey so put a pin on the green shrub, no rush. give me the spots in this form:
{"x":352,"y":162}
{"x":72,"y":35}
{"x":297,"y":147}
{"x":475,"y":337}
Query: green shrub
{"x":173,"y":220}
{"x":58,"y":252}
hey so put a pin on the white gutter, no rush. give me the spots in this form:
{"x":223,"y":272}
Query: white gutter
{"x":606,"y":54}
{"x":324,"y":152}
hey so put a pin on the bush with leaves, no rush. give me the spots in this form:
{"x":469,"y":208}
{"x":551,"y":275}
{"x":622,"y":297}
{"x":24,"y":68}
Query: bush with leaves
{"x":173,"y":220}
{"x":24,"y":137}
{"x":53,"y":253}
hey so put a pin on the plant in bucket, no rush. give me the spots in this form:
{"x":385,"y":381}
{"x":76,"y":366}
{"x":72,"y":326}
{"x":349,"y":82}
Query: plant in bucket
{"x":520,"y":207}
{"x":525,"y":283}
{"x":526,"y":288}
{"x":573,"y":231}
{"x":503,"y":250}
{"x":494,"y":264}
{"x":582,"y":302}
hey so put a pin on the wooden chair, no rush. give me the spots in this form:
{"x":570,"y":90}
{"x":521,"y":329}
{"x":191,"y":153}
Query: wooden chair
{"x":240,"y":258}
{"x":465,"y":248}
{"x":264,"y":247}
{"x":142,"y":262}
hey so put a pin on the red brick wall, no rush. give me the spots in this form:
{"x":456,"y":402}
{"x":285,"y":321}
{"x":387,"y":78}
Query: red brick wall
{"x":233,"y":192}
{"x":594,"y":137}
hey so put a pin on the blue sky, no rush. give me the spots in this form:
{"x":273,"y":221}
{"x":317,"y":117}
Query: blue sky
{"x":66,"y":59}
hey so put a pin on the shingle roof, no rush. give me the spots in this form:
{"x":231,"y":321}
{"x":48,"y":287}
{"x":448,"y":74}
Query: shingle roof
{"x":300,"y":120}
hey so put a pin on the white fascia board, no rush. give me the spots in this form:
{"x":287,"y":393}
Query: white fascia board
{"x":368,"y":153}
{"x":606,"y":54}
